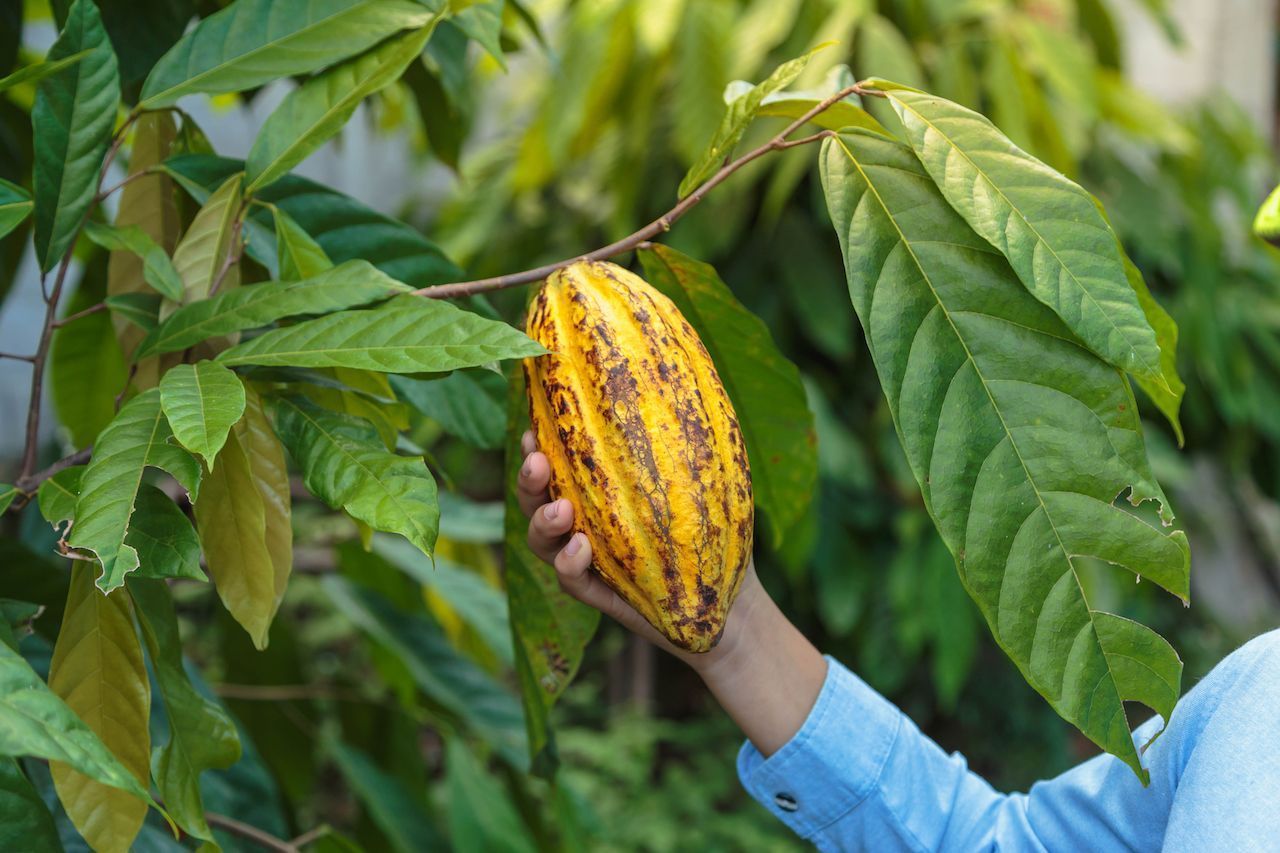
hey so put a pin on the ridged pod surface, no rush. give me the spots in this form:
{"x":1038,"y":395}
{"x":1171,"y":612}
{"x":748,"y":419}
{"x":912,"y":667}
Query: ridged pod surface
{"x":642,"y":438}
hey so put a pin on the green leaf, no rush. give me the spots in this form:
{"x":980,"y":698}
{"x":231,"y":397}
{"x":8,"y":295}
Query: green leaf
{"x":1020,"y":439}
{"x":398,"y":812}
{"x":157,"y":268}
{"x":347,"y":285}
{"x":74,"y":112}
{"x":7,"y":495}
{"x":25,"y":822}
{"x":741,"y":112}
{"x":57,"y":495}
{"x":138,"y":437}
{"x":406,"y":335}
{"x":38,"y":71}
{"x":252,"y":42}
{"x":468,"y":404}
{"x":482,"y":23}
{"x":765,"y":387}
{"x":86,"y":369}
{"x":316,"y":111}
{"x":244,"y":520}
{"x":1266,"y":224}
{"x":464,"y":520}
{"x":472,"y":698}
{"x":140,"y":309}
{"x":297,"y":254}
{"x":884,"y":51}
{"x":162,"y":535}
{"x":34,"y":721}
{"x":1167,"y":393}
{"x":201,"y":734}
{"x":481,"y":815}
{"x":99,"y":672}
{"x":201,"y":401}
{"x":15,"y":206}
{"x":793,"y":104}
{"x":202,"y":252}
{"x":342,"y":226}
{"x":1047,"y":226}
{"x":344,"y":464}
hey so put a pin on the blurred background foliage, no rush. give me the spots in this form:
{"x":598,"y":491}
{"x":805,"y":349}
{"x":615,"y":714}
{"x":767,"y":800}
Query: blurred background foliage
{"x":547,"y":128}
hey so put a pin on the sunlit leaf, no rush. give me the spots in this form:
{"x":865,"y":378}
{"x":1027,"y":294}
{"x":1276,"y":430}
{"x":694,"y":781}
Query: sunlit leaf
{"x":1019,"y":437}
{"x":408,"y":334}
{"x":298,"y":255}
{"x":793,"y":104}
{"x":390,"y":805}
{"x":97,"y":669}
{"x":138,"y":437}
{"x":468,"y":404}
{"x":15,"y":206}
{"x":482,"y":23}
{"x":252,"y":42}
{"x":157,"y":268}
{"x":74,"y":112}
{"x":25,"y":823}
{"x":201,"y":402}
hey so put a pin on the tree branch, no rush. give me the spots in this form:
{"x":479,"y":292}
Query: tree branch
{"x":658,"y":226}
{"x":32,"y":482}
{"x":92,"y":309}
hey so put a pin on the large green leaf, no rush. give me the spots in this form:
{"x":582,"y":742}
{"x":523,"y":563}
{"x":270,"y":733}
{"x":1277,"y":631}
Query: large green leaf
{"x":34,"y":721}
{"x":252,"y":42}
{"x":1020,"y":438}
{"x":452,"y":682}
{"x":74,"y":112}
{"x":316,"y":111}
{"x":137,"y":438}
{"x":201,"y":254}
{"x":468,"y":404}
{"x":1047,"y":226}
{"x":406,"y":335}
{"x":99,"y":672}
{"x":157,"y":269}
{"x":343,"y":227}
{"x":201,"y":401}
{"x":86,"y":368}
{"x":201,"y":734}
{"x":765,"y":387}
{"x":398,"y":812}
{"x":25,"y":822}
{"x":345,"y":286}
{"x":738,"y":116}
{"x":15,"y":206}
{"x":481,"y":814}
{"x":344,"y":464}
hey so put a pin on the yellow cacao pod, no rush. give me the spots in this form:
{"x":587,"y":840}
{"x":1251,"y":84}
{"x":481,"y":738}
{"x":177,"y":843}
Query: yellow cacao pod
{"x":642,"y":438}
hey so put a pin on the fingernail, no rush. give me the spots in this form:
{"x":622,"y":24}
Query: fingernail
{"x":575,"y":544}
{"x":527,"y":469}
{"x":553,"y":509}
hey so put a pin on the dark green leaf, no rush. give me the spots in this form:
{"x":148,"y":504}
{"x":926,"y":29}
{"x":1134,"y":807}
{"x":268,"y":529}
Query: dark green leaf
{"x":142,"y":30}
{"x":25,"y":823}
{"x":468,"y":404}
{"x":398,"y":812}
{"x":141,"y":309}
{"x":297,"y":254}
{"x":157,"y":268}
{"x":15,"y":206}
{"x":162,"y":535}
{"x":201,"y":402}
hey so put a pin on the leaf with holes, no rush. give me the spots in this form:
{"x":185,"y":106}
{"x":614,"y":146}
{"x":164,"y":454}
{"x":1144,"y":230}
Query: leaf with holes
{"x":201,"y":402}
{"x":1020,"y":437}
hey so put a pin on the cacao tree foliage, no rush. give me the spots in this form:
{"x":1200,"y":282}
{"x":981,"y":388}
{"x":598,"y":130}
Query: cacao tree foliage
{"x":299,"y":591}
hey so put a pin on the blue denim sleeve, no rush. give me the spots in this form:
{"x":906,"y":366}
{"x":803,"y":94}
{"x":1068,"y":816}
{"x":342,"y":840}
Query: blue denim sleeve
{"x":859,"y":775}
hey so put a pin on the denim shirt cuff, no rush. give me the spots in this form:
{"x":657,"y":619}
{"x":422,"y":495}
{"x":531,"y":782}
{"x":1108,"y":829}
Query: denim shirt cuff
{"x":833,"y":763}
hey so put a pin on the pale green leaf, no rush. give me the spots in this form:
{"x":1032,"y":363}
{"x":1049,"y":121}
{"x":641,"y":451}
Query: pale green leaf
{"x":1166,"y":393}
{"x":344,"y":464}
{"x":74,"y":112}
{"x":298,"y":255}
{"x":157,"y":269}
{"x":201,"y":734}
{"x":400,"y":814}
{"x":252,"y":42}
{"x":482,"y":23}
{"x":201,"y":401}
{"x":1266,"y":224}
{"x":7,"y":495}
{"x":348,"y":285}
{"x":739,"y":115}
{"x":1046,"y":225}
{"x":15,"y":206}
{"x":140,"y":309}
{"x":202,"y":252}
{"x":25,"y":822}
{"x":408,"y":334}
{"x":36,"y":72}
{"x":468,"y":404}
{"x":316,"y":111}
{"x":765,"y":388}
{"x":465,"y":520}
{"x":793,"y":104}
{"x":1020,"y":438}
{"x":481,"y":814}
{"x":98,"y":670}
{"x":137,"y":438}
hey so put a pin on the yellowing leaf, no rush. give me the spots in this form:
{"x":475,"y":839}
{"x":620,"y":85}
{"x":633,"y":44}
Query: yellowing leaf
{"x":202,"y":252}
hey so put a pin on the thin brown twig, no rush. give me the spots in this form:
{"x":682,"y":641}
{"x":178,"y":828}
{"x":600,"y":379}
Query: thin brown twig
{"x":260,"y":837}
{"x":17,"y":356}
{"x":30,"y":483}
{"x":92,"y":309}
{"x":233,"y":252}
{"x":141,"y":173}
{"x":658,"y":226}
{"x":311,"y":835}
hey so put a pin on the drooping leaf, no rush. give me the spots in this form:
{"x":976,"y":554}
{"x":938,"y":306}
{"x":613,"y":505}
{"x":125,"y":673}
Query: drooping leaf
{"x":244,"y":519}
{"x":468,"y":404}
{"x":162,"y":535}
{"x":1047,"y":226}
{"x":15,"y":206}
{"x":397,"y":812}
{"x":138,"y":437}
{"x":201,"y":734}
{"x":342,"y":226}
{"x":765,"y":387}
{"x":1020,"y":439}
{"x":297,"y":254}
{"x":74,"y":112}
{"x":201,"y":254}
{"x":481,"y":815}
{"x":407,"y":334}
{"x":313,"y":113}
{"x":25,"y":822}
{"x":140,"y":309}
{"x":35,"y":721}
{"x":470,"y":695}
{"x":157,"y":268}
{"x":98,"y":671}
{"x":741,"y":112}
{"x":201,"y":402}
{"x":252,"y":42}
{"x":345,"y":286}
{"x":482,"y":23}
{"x":37,"y":71}
{"x":344,"y":464}
{"x":86,"y":368}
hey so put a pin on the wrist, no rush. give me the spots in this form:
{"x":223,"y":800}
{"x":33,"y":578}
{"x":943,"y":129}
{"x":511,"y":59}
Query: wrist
{"x":746,"y":624}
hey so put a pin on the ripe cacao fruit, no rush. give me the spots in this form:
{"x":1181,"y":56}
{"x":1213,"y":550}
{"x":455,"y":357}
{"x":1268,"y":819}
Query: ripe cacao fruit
{"x":643,"y":439}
